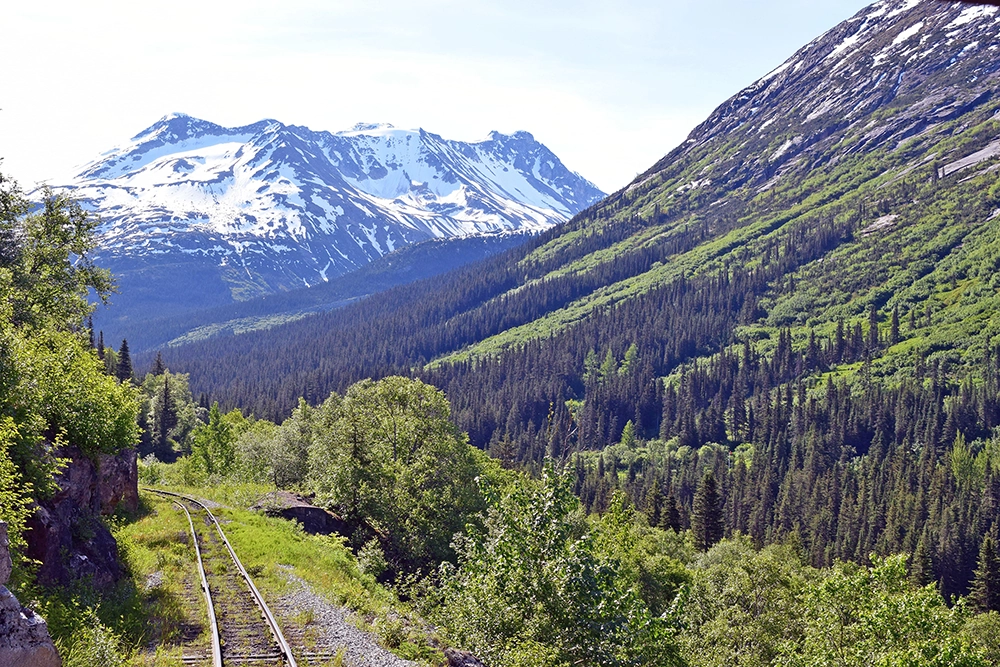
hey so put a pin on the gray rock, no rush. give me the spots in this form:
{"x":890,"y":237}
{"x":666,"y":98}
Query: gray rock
{"x":24,"y":637}
{"x":6,"y":565}
{"x":457,"y":658}
{"x":314,"y":520}
{"x":66,"y":533}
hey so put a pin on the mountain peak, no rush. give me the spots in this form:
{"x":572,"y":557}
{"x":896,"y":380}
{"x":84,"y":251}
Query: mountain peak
{"x":362,"y":128}
{"x":178,"y":125}
{"x":302,"y":206}
{"x":519,"y":135}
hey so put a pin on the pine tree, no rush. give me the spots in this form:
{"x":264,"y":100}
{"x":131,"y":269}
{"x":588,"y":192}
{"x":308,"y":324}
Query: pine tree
{"x":158,"y":366}
{"x":100,"y":345}
{"x":164,"y":420}
{"x":985,"y":593}
{"x":124,"y":371}
{"x":670,"y":516}
{"x":873,"y":339}
{"x":706,"y":514}
{"x":654,"y":502}
{"x":921,"y":567}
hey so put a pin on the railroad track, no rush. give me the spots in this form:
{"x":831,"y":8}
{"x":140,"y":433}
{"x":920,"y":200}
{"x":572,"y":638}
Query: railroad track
{"x":244,"y":631}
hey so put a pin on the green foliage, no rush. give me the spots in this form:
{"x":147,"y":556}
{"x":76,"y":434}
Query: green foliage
{"x":859,"y":616}
{"x":168,"y":415}
{"x":54,"y":390}
{"x":706,"y":514}
{"x":649,"y":560}
{"x":75,"y":398}
{"x":387,"y":456}
{"x":255,"y":452}
{"x":743,"y":604}
{"x":533,"y":588}
{"x":982,"y":632}
{"x":15,"y":494}
{"x":985,"y":593}
{"x":94,"y":644}
{"x":214,"y":444}
{"x":45,"y":264}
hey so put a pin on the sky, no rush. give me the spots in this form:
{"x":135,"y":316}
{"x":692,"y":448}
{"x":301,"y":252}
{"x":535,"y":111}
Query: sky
{"x":610,"y":87}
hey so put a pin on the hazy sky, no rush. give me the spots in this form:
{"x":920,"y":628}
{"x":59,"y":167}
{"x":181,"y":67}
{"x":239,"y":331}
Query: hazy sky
{"x":609,"y":86}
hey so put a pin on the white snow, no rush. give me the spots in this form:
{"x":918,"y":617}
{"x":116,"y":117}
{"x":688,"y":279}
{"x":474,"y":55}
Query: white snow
{"x":909,"y":32}
{"x":255,"y":195}
{"x":779,"y":69}
{"x":845,"y":44}
{"x":970,"y":14}
{"x":905,"y":7}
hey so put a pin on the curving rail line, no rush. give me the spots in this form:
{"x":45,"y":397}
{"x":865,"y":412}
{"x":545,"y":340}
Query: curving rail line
{"x":216,"y":642}
{"x":217,"y":660}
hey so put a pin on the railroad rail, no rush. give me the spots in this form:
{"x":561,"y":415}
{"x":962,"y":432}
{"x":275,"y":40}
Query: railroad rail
{"x":223,"y":652}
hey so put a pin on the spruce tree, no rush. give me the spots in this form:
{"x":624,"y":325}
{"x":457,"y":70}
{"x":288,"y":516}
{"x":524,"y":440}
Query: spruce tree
{"x":670,"y":516}
{"x":164,"y":420}
{"x":158,"y":366}
{"x":921,"y":566}
{"x":654,"y":502}
{"x":706,"y":514}
{"x":985,"y":593}
{"x":124,"y":371}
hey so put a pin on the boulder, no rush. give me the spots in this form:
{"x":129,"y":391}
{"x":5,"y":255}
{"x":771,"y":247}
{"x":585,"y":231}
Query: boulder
{"x":24,"y":637}
{"x":66,"y":533}
{"x":314,"y":520}
{"x":458,"y":658}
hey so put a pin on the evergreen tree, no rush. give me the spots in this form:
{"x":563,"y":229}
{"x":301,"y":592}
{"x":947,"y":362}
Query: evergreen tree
{"x":124,"y":371}
{"x":985,"y":593}
{"x":921,"y":567}
{"x":628,"y":435}
{"x":670,"y":515}
{"x":706,"y":515}
{"x":609,"y":367}
{"x":100,"y":345}
{"x":158,"y":366}
{"x":164,"y":420}
{"x":654,"y":502}
{"x":111,"y":362}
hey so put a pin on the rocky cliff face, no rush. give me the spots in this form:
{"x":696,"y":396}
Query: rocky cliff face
{"x":24,"y":637}
{"x":66,"y":534}
{"x":898,"y":70}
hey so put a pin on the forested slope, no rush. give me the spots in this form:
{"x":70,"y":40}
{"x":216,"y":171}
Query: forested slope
{"x":800,"y":297}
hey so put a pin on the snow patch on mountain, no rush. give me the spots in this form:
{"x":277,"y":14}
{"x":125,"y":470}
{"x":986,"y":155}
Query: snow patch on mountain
{"x":291,"y":205}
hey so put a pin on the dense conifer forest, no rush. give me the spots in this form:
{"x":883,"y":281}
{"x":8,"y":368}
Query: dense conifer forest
{"x":744,"y":411}
{"x":816,"y":330}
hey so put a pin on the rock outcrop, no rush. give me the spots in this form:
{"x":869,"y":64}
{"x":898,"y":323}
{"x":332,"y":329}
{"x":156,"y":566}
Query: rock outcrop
{"x":24,"y":637}
{"x":314,"y":520}
{"x":457,"y":658}
{"x":66,"y":533}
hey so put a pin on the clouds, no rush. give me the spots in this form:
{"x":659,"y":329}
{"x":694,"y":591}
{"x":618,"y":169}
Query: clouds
{"x":610,"y":87}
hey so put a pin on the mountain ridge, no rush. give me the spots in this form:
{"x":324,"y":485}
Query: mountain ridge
{"x":715,"y":203}
{"x":274,"y":207}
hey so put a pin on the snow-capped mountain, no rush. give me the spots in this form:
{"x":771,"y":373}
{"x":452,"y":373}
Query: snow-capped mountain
{"x":276,"y":206}
{"x":895,"y":71}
